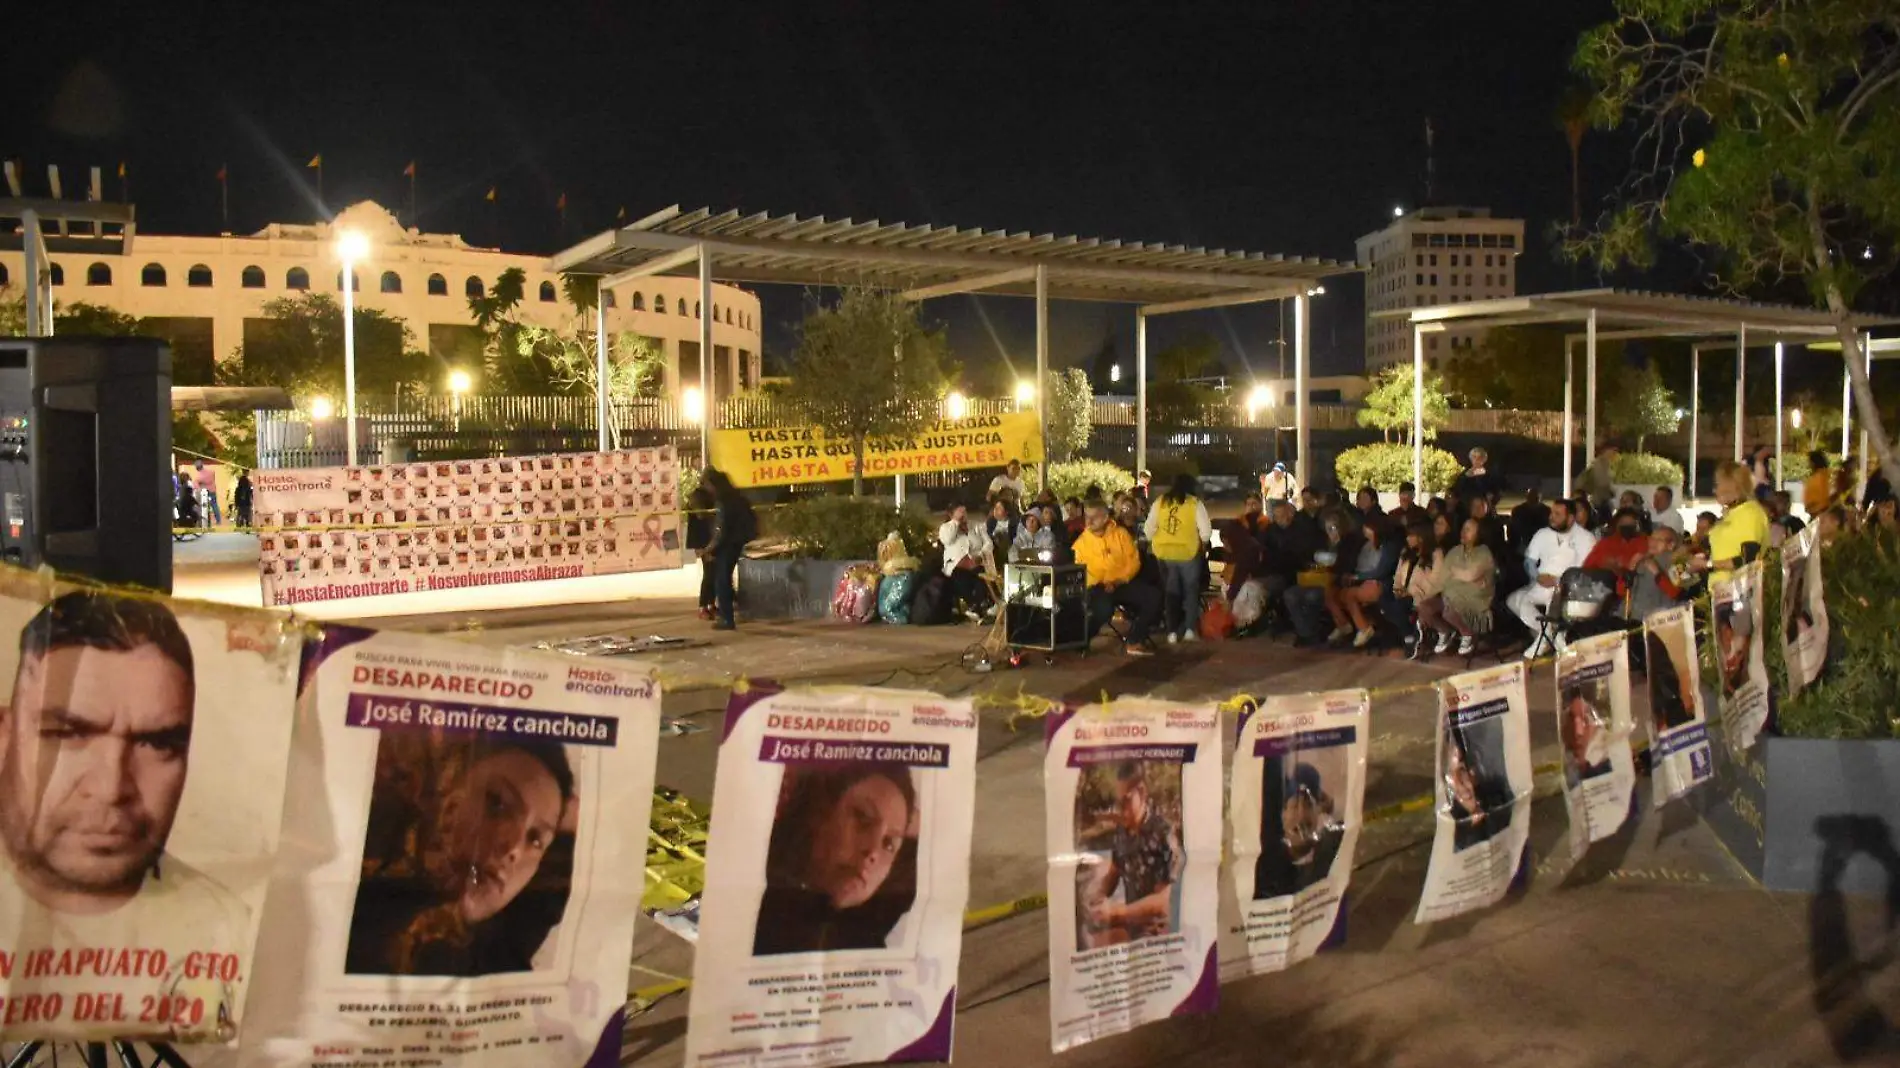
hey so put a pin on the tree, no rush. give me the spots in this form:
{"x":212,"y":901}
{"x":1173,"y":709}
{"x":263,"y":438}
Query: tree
{"x":635,"y":364}
{"x":1769,"y":135}
{"x":298,"y":345}
{"x":1071,"y":414}
{"x":1637,"y":405}
{"x":1573,"y":116}
{"x":867,"y":367}
{"x":1819,"y":426}
{"x":1175,"y":402}
{"x":1389,"y":408}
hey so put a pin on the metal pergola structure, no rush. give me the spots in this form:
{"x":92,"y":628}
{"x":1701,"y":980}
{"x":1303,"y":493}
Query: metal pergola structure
{"x":1616,"y":315}
{"x":39,"y":225}
{"x":925,"y":261}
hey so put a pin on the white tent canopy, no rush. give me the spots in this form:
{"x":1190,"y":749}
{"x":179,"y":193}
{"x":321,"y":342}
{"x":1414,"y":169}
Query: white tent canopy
{"x":1618,"y":314}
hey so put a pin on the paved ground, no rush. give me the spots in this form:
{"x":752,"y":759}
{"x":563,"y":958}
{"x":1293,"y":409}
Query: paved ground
{"x":1653,"y":948}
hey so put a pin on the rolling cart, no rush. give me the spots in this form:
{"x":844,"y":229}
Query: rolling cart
{"x":1045,"y":608}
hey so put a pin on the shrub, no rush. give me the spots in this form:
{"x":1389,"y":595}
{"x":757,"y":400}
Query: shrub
{"x":1856,"y":697}
{"x":1646,"y":469}
{"x":1794,"y":466}
{"x":848,"y":528}
{"x":1383,"y":465}
{"x":1072,"y":479}
{"x":689,"y":481}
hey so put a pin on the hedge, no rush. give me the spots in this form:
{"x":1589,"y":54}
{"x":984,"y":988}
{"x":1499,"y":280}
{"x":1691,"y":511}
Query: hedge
{"x":1073,"y":479}
{"x":1646,"y":469}
{"x":1383,"y":465}
{"x":849,"y":528}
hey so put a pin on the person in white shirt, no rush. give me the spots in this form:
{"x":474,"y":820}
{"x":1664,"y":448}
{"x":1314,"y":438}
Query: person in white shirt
{"x":1553,"y":550}
{"x":1011,"y":479}
{"x":1663,"y":511}
{"x":967,"y":553}
{"x":1279,"y":484}
{"x":94,"y":749}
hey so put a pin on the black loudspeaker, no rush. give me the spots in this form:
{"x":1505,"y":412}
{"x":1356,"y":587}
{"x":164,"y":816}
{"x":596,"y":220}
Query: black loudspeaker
{"x":85,"y":457}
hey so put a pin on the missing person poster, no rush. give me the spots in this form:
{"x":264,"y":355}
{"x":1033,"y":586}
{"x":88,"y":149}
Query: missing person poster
{"x":1678,"y":726}
{"x":1594,"y":727}
{"x":464,"y":859}
{"x":401,"y":528}
{"x":1804,"y":628}
{"x":1133,"y":793}
{"x":1483,"y":792}
{"x":1298,"y":789}
{"x":1743,"y":676}
{"x":142,"y":753}
{"x":837,"y":872}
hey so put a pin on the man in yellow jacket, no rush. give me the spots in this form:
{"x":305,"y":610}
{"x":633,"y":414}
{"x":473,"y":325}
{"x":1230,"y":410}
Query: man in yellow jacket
{"x":1109,"y":554}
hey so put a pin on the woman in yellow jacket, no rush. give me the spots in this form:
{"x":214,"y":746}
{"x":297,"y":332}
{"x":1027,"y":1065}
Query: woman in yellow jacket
{"x":1178,"y":534}
{"x":1744,"y":523}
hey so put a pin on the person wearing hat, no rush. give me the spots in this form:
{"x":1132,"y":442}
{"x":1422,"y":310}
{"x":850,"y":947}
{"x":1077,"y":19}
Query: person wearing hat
{"x":1278,"y":484}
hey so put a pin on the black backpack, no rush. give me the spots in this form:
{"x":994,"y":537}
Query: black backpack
{"x":930,"y":605}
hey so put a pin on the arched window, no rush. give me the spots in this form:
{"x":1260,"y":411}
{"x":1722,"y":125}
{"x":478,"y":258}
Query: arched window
{"x":392,"y":282}
{"x":198,"y":276}
{"x":695,"y":309}
{"x":547,"y":292}
{"x":472,"y":287}
{"x":728,"y":316}
{"x":438,"y":286}
{"x":3,"y":274}
{"x":152,"y":275}
{"x":98,"y":275}
{"x":296,"y":278}
{"x":356,"y":282}
{"x":607,"y":298}
{"x":715,"y":313}
{"x":252,"y":278}
{"x":56,"y":273}
{"x":682,"y":305}
{"x":639,"y":301}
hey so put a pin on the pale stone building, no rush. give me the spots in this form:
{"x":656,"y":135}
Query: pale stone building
{"x":1429,"y":256}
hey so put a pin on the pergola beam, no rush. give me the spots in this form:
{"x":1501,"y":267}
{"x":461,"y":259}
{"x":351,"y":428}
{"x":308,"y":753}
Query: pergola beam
{"x":1227,"y":301}
{"x":672,"y":261}
{"x":972,"y":284}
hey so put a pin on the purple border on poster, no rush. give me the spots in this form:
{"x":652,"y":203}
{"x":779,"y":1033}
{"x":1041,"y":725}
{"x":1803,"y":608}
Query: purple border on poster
{"x":775,"y":749}
{"x":1051,"y":723}
{"x":1205,"y":997}
{"x":739,"y":704}
{"x":375,"y":711}
{"x":935,"y":1043}
{"x":1289,"y":743}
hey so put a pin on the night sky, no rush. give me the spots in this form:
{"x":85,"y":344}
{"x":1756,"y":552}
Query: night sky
{"x":1274,"y":125}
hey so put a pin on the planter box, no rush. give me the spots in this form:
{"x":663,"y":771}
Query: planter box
{"x":790,"y":589}
{"x":1790,"y":804}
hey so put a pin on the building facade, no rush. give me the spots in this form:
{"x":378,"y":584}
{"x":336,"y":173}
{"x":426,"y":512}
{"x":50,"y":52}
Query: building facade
{"x":1447,"y":255}
{"x":212,"y":285}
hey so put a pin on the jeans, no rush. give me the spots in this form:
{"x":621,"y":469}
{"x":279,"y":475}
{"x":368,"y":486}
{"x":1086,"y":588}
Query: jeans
{"x":1182,"y":581}
{"x":1142,"y":601}
{"x":213,"y":513}
{"x":724,"y":563}
{"x":706,"y":594}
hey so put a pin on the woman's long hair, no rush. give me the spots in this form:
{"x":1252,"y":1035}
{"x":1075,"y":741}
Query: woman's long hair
{"x":806,"y":800}
{"x":1180,"y":489}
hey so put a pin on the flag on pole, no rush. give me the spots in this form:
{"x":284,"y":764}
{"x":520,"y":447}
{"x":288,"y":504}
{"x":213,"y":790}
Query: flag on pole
{"x":621,"y":215}
{"x":121,"y":168}
{"x":409,"y":171}
{"x":223,"y":171}
{"x":224,"y":195}
{"x":316,"y":161}
{"x":490,"y":196}
{"x":560,"y":204}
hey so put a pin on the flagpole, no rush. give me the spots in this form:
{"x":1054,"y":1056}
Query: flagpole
{"x":415,"y":211}
{"x":224,"y":195}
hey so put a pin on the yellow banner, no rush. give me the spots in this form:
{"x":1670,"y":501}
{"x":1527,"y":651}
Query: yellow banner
{"x":780,"y":456}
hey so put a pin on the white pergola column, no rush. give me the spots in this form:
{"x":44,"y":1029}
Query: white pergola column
{"x":1570,"y":360}
{"x":602,"y":405}
{"x":1847,"y":399}
{"x":1695,"y":413}
{"x":1418,"y":407}
{"x":1781,"y":417}
{"x":1141,"y":390}
{"x":1302,"y":368}
{"x":1741,"y":383}
{"x":708,"y":401}
{"x":1867,"y":353}
{"x":39,"y":321}
{"x":1042,"y":369}
{"x":1590,"y":387}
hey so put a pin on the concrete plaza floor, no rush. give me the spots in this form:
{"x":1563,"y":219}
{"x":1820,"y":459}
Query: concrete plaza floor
{"x":1654,"y":948}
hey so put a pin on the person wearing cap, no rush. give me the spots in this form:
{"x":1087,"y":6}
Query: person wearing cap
{"x":1279,"y":484}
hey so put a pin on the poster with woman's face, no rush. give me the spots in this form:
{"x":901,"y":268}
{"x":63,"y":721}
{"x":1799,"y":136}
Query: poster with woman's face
{"x":1677,"y":726}
{"x":1296,"y":793}
{"x":1133,"y":817}
{"x":839,"y":848}
{"x":1593,"y":729}
{"x":472,"y":823}
{"x":1744,"y":700}
{"x":1804,"y":622}
{"x":1483,"y":792}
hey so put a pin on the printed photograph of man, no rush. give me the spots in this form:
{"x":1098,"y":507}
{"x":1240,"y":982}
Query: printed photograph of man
{"x":1129,"y":815}
{"x":468,"y":856}
{"x":1673,"y":700}
{"x":1797,"y":611}
{"x":1301,"y":826}
{"x":1478,"y":794}
{"x":1734,"y":627}
{"x":841,"y":866}
{"x":94,"y":754}
{"x":1584,"y":726}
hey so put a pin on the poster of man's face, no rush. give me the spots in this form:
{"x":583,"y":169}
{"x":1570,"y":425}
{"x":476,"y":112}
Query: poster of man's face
{"x":1584,"y":728}
{"x":94,"y":746}
{"x":1128,"y":826}
{"x":1734,"y":629}
{"x":1797,"y":614}
{"x":1302,"y":825}
{"x":1478,"y":795}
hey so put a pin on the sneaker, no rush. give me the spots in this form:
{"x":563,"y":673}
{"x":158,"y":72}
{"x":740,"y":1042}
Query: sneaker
{"x":1535,"y":649}
{"x":706,"y":613}
{"x":973,"y":617}
{"x":1363,"y":638}
{"x":1136,"y":649}
{"x":1339,"y":634}
{"x":1173,"y":639}
{"x":1444,"y":642}
{"x":1563,"y":641}
{"x":1190,"y":636}
{"x":725,"y":624}
{"x":1466,"y":644}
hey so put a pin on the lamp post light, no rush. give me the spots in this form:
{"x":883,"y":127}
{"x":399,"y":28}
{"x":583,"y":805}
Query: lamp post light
{"x":321,"y":409}
{"x":956,"y":405}
{"x":693,"y":405}
{"x":352,"y":246}
{"x":459,"y":384}
{"x":1025,"y":394}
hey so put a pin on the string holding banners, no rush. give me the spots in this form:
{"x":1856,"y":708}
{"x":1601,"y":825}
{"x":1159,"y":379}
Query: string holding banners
{"x":1678,"y":725}
{"x":1133,"y":799}
{"x":1594,"y":728}
{"x":1736,"y":606}
{"x":468,"y":857}
{"x":1297,"y":798}
{"x":837,"y":876}
{"x":1804,"y":621}
{"x":1483,"y":792}
{"x":142,"y":755}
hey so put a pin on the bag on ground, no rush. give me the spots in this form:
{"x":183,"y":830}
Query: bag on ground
{"x":893,"y":596}
{"x":855,"y":598}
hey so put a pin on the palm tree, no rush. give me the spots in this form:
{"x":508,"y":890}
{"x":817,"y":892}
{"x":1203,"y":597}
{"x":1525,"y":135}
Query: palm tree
{"x":1573,"y":115}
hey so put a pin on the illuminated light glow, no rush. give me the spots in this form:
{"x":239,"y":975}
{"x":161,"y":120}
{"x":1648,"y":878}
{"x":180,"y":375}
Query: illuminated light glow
{"x":693,"y":404}
{"x":459,"y":382}
{"x":321,"y":408}
{"x":1794,"y":416}
{"x":1699,"y":158}
{"x":956,"y":405}
{"x":1025,"y":392}
{"x":352,"y":245}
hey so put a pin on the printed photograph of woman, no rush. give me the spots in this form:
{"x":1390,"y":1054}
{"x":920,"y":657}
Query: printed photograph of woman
{"x":1478,"y":794}
{"x":841,"y":866}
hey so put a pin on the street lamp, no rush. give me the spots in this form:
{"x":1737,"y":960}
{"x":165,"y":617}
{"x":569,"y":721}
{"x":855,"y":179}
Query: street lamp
{"x":321,"y":409}
{"x":693,"y":404}
{"x":459,"y":382}
{"x":1260,"y":396}
{"x":1115,"y":372}
{"x":352,"y":246}
{"x":1398,"y":213}
{"x":1794,"y":415}
{"x":956,"y":405}
{"x":1025,"y":393}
